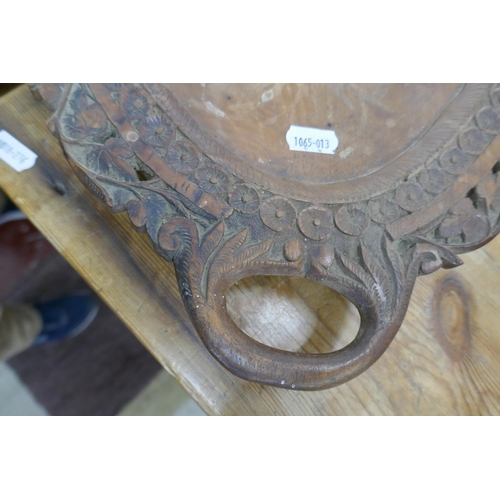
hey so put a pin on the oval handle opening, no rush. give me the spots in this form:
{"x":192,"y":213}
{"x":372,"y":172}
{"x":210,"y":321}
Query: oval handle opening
{"x":293,"y":314}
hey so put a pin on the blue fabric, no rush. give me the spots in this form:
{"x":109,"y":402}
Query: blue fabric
{"x":66,"y":316}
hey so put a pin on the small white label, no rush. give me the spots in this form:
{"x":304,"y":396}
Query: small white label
{"x":15,"y":154}
{"x":312,"y":140}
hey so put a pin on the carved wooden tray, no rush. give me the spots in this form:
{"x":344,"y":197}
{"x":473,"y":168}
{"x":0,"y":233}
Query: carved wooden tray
{"x":207,"y":171}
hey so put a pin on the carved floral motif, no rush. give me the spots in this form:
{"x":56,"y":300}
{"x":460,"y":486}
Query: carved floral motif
{"x":182,"y":158}
{"x":278,"y":213}
{"x":351,"y":220}
{"x":488,"y":119}
{"x":157,"y":132}
{"x":244,"y":199}
{"x":411,"y":196}
{"x":212,"y":179}
{"x":434,"y":180}
{"x":315,"y":222}
{"x":384,"y":210}
{"x":135,"y":104}
{"x":473,"y":141}
{"x":87,"y":118}
{"x":455,"y":161}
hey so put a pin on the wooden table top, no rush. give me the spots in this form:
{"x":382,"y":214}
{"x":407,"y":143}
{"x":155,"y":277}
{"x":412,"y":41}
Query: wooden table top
{"x":445,"y":359}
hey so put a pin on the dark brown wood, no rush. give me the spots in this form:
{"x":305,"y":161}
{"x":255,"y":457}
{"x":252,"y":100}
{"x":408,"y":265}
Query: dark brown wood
{"x":206,"y":172}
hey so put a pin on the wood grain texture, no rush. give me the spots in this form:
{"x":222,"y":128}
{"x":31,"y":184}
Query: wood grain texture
{"x":447,"y":365}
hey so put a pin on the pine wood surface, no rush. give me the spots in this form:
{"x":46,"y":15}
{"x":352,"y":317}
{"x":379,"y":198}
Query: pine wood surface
{"x":445,"y":359}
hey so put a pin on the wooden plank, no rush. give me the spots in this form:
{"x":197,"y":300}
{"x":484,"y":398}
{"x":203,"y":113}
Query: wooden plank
{"x":445,"y":359}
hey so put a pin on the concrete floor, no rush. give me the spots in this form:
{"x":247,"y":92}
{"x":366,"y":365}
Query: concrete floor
{"x":163,"y":396}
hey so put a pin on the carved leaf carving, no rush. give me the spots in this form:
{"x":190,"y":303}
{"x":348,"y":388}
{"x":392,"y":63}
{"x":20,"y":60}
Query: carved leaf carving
{"x":251,"y":253}
{"x":108,"y":160}
{"x":137,"y":212}
{"x":232,"y":256}
{"x":397,"y":266}
{"x":382,"y":286}
{"x":356,"y":271}
{"x":211,"y":240}
{"x":229,"y":248}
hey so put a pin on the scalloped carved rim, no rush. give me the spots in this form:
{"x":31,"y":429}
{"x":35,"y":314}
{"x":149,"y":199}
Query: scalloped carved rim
{"x":455,"y":117}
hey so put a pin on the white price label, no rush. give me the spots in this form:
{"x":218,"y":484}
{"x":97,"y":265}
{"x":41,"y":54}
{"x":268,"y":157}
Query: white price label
{"x":14,"y":153}
{"x":312,"y":140}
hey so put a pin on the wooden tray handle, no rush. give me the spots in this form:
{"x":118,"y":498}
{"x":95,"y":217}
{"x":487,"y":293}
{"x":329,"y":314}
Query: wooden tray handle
{"x":207,"y":269}
{"x":254,"y":361}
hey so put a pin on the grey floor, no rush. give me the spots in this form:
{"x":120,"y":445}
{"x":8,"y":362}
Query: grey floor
{"x":163,"y":396}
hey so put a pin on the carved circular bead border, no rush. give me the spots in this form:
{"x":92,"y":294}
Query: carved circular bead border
{"x":454,"y":160}
{"x":278,"y":212}
{"x":409,"y":197}
{"x":417,"y":192}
